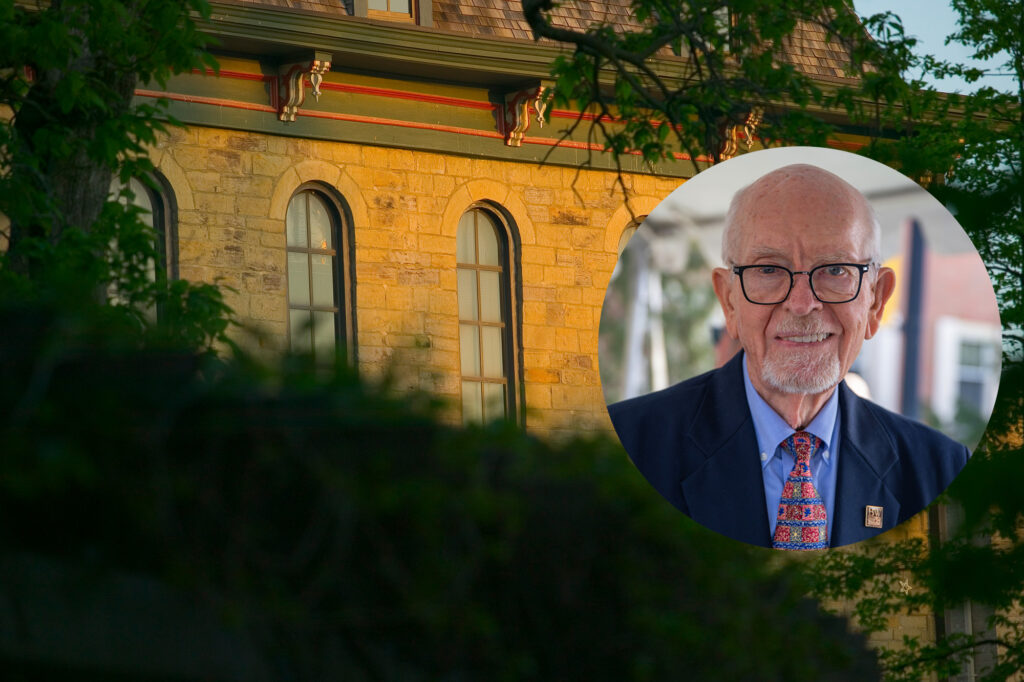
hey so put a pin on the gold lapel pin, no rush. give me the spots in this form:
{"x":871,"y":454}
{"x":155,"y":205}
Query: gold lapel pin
{"x":873,"y":516}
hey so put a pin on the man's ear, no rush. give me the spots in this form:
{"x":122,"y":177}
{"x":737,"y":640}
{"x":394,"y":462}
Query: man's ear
{"x":721,"y":280}
{"x":885,"y":284}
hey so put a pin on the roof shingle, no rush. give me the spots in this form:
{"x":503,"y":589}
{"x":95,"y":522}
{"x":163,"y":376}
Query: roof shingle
{"x":808,"y":47}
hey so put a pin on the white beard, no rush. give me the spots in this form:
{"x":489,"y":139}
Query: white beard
{"x":798,"y":371}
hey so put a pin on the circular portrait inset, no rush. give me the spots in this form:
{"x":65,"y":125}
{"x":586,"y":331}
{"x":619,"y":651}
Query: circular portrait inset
{"x":799,"y":348}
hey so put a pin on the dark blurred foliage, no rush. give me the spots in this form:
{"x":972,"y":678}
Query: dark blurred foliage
{"x":965,"y":149}
{"x":685,"y":76}
{"x":341,"y":531}
{"x":968,"y":151}
{"x":68,"y":73}
{"x":70,"y":133}
{"x":349,"y":531}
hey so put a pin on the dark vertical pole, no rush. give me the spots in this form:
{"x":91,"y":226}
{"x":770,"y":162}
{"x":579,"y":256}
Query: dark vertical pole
{"x":912,"y":323}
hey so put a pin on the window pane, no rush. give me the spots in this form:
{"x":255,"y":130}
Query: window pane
{"x":298,"y":279}
{"x":488,"y":234}
{"x":494,"y":362}
{"x":320,"y":236}
{"x":970,"y":354}
{"x":494,"y":401}
{"x":324,"y":335}
{"x":323,"y":280}
{"x":624,"y":239}
{"x":480,"y":241}
{"x":490,"y":297}
{"x":467,"y":294}
{"x":151,"y":275}
{"x":298,"y":321}
{"x":142,"y":200}
{"x":465,"y":242}
{"x":469,"y":349}
{"x":970,"y":394}
{"x":472,"y":407}
{"x":295,"y":222}
{"x":114,"y":191}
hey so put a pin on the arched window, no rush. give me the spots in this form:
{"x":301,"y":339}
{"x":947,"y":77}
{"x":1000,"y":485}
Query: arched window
{"x":487,"y":338}
{"x":318,"y":294}
{"x":627,"y":233}
{"x":155,"y":213}
{"x":156,"y":201}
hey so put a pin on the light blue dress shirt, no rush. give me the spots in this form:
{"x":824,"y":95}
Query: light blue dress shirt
{"x":776,"y":463}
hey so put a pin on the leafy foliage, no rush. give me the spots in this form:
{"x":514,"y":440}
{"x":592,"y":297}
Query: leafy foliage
{"x":672,"y":82}
{"x":68,"y":73}
{"x":352,"y":535}
{"x":687,"y":70}
{"x":967,"y":151}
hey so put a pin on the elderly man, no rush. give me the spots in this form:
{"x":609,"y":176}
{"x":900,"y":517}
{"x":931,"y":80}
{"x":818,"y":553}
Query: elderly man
{"x":773,"y":449}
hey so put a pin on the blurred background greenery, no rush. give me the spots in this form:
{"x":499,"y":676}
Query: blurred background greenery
{"x":155,"y":500}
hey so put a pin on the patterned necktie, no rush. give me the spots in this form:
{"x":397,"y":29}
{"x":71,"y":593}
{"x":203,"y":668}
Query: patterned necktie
{"x":802,"y":522}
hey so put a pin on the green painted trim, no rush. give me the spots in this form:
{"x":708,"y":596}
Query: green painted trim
{"x":280,"y":30}
{"x":441,"y":142}
{"x":400,"y":49}
{"x":402,"y":52}
{"x":444,"y":55}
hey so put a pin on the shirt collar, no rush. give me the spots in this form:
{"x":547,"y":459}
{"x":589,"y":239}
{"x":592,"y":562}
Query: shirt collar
{"x":771,"y":429}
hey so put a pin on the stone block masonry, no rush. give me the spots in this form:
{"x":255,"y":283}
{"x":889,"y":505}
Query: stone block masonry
{"x":232,"y":189}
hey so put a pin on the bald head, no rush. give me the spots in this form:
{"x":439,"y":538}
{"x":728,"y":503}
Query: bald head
{"x":808,"y":196}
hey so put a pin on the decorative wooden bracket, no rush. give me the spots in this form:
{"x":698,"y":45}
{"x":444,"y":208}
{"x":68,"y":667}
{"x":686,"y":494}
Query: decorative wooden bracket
{"x":516,"y":113}
{"x":293,"y":81}
{"x":732,"y":133}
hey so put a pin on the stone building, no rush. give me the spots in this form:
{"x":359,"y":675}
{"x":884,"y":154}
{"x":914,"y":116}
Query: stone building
{"x":425,"y":135}
{"x":375,"y":175}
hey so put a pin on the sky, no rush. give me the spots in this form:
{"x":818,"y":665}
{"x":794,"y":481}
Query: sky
{"x":930,"y":21}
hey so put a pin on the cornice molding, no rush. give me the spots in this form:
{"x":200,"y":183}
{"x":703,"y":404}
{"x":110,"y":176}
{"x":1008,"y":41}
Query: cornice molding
{"x":374,"y":44}
{"x":281,"y":34}
{"x":396,"y":48}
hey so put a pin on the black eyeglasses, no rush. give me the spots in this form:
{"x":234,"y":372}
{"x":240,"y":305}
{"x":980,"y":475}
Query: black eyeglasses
{"x":830,"y":283}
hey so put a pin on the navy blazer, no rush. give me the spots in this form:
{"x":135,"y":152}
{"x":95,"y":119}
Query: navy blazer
{"x":695,"y":443}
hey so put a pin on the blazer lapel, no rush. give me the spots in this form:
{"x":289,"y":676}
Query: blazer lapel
{"x":725,"y":492}
{"x":866,"y":455}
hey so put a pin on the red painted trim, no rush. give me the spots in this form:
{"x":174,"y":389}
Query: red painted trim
{"x":393,"y":94}
{"x":565,"y":113}
{"x":842,"y":144}
{"x":414,"y":96}
{"x":215,"y":101}
{"x":376,"y":120}
{"x":356,"y":118}
{"x":238,"y":75}
{"x":442,"y":99}
{"x":421,"y":97}
{"x":546,"y":141}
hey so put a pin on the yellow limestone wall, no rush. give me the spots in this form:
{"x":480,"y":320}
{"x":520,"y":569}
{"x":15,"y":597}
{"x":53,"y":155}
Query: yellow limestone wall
{"x":232,"y":190}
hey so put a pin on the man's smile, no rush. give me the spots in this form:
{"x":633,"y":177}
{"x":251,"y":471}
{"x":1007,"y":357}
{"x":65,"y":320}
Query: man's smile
{"x":804,"y":339}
